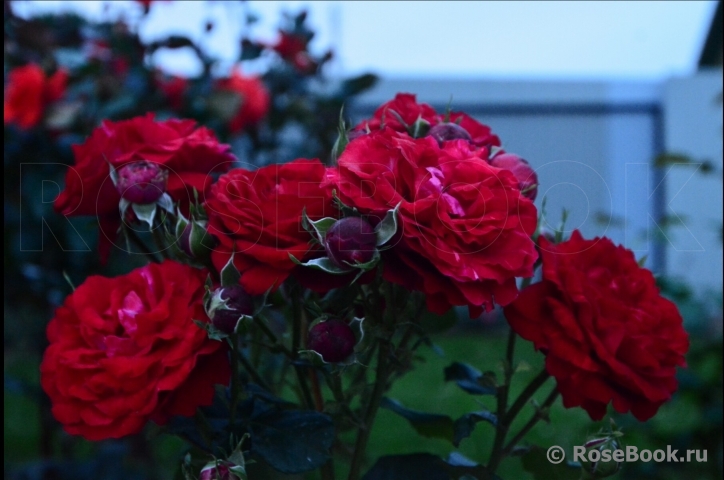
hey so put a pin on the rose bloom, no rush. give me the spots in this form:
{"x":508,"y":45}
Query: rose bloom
{"x":257,"y":215}
{"x":29,"y":91}
{"x":608,"y":334}
{"x":126,"y":350}
{"x":254,"y":99}
{"x":189,"y":154}
{"x":173,"y":89}
{"x":405,"y":105}
{"x":466,"y":228}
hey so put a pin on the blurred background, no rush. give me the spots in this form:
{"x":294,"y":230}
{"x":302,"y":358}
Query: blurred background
{"x":618,"y":106}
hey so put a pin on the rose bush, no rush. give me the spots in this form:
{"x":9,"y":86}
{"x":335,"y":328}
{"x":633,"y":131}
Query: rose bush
{"x":608,"y":334}
{"x":189,"y":154}
{"x":125,"y":350}
{"x":465,"y":225}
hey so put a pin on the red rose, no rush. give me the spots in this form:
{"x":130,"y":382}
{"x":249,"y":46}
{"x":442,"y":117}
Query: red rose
{"x":258,"y":216}
{"x":173,"y":88}
{"x":289,"y":46}
{"x":608,"y":334}
{"x":188,"y":153}
{"x":125,"y":350}
{"x":465,"y":225}
{"x":405,"y":105}
{"x":29,"y":91}
{"x":254,"y":99}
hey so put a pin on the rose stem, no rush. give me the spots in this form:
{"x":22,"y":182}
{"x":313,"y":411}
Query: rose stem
{"x":366,"y":428}
{"x":531,"y":423}
{"x":504,"y":418}
{"x":296,"y":339}
{"x":496,"y":454}
{"x":381,"y":376}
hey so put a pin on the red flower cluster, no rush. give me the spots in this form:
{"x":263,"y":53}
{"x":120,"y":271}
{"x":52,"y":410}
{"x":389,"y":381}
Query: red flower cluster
{"x":125,"y":350}
{"x":28,"y":93}
{"x":188,"y":153}
{"x":465,"y":225}
{"x":403,"y":112}
{"x":608,"y":334}
{"x":254,"y":99}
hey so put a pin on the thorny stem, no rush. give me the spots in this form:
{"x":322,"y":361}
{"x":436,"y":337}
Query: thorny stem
{"x":505,"y":419}
{"x":538,"y":415}
{"x":501,"y":431}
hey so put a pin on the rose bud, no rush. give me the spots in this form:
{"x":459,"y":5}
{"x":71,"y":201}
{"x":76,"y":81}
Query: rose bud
{"x":350,"y":240}
{"x":527,"y":178}
{"x":196,"y":242}
{"x":218,"y":471}
{"x":333,"y":339}
{"x":443,"y":132}
{"x":238,"y":303}
{"x":141,"y":182}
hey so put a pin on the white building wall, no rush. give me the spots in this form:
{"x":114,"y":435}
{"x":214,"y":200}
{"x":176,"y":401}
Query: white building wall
{"x":693,"y":127}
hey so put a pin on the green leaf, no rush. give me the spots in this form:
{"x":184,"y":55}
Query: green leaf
{"x":536,"y":462}
{"x":292,"y":441}
{"x":145,"y":213}
{"x":429,"y":425}
{"x":465,"y":425}
{"x":357,"y":85}
{"x":387,"y":228}
{"x":470,"y":379}
{"x":229,"y":274}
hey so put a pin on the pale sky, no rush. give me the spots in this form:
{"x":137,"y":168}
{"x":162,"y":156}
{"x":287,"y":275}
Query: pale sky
{"x":519,"y":40}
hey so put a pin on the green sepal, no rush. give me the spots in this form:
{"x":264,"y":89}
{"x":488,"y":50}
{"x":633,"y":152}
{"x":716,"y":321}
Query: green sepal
{"x":229,"y":274}
{"x":387,"y":228}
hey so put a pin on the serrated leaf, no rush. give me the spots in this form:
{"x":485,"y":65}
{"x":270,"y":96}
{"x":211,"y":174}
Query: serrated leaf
{"x":292,"y":441}
{"x":145,"y":212}
{"x":387,"y":228}
{"x":470,"y":379}
{"x":229,"y":274}
{"x":431,"y":425}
